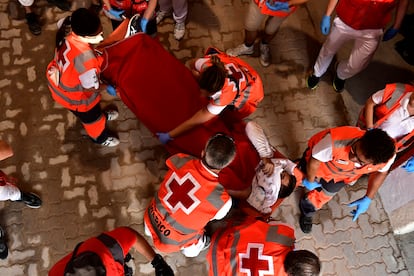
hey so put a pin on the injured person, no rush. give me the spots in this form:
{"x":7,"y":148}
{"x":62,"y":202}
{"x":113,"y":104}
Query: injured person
{"x":275,"y":177}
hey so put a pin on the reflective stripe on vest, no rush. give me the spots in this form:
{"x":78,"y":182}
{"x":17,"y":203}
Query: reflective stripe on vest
{"x":273,"y":236}
{"x":179,"y":161}
{"x":58,"y":92}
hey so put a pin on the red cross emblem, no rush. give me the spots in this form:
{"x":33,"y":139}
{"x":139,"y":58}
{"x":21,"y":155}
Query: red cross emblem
{"x":254,"y":263}
{"x":181,"y":193}
{"x":62,"y":59}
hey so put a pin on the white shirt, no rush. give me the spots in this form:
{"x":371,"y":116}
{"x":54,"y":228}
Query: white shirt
{"x":322,"y":151}
{"x":399,"y":123}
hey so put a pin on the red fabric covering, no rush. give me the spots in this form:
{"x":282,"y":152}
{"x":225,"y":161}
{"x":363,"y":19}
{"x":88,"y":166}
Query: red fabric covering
{"x":162,"y":93}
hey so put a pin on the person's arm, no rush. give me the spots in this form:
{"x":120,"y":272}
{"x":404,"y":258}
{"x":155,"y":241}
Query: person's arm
{"x":5,"y":150}
{"x":200,"y":117}
{"x":400,"y":13}
{"x":152,"y":4}
{"x":331,"y":7}
{"x":375,"y":181}
{"x":369,"y":113}
{"x":296,"y":2}
{"x":312,"y":167}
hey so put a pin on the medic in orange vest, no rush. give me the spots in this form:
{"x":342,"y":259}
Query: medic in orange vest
{"x":73,"y":74}
{"x":106,"y":254}
{"x":189,"y":197}
{"x":255,"y":247}
{"x":392,"y":110}
{"x":340,"y":156}
{"x":232,"y":85}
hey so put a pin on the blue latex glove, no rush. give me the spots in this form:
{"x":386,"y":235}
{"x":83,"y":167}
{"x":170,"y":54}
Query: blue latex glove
{"x":362,"y":205}
{"x":409,"y":166}
{"x":310,"y":185}
{"x":164,"y":137}
{"x":116,"y":14}
{"x":144,"y":23}
{"x":111,"y":90}
{"x":389,"y":34}
{"x":277,"y":6}
{"x":325,"y":24}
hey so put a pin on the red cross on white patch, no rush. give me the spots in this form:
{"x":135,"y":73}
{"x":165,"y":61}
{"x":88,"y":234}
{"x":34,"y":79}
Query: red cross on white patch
{"x":254,"y":263}
{"x":181,"y":193}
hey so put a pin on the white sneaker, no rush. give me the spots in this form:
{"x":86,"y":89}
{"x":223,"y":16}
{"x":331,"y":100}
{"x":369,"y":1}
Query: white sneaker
{"x":240,"y":50}
{"x":179,"y":30}
{"x":264,"y":54}
{"x":134,"y":25}
{"x":161,"y":15}
{"x":111,"y":115}
{"x":110,"y":142}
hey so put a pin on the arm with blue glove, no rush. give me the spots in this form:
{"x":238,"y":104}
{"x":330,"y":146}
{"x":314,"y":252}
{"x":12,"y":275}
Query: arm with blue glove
{"x":409,"y":166}
{"x":399,"y":16}
{"x":112,"y":14}
{"x":375,"y":181}
{"x":164,"y":137}
{"x":311,"y":168}
{"x":277,"y":6}
{"x":326,"y":19}
{"x":111,"y":90}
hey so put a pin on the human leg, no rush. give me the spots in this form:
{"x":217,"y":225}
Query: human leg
{"x":180,"y":10}
{"x":31,"y":17}
{"x":254,"y":19}
{"x":271,"y":27}
{"x":314,"y":200}
{"x":94,"y":122}
{"x":165,"y":9}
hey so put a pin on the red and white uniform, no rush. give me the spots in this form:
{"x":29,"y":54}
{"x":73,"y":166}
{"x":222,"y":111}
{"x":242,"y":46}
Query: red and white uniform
{"x":252,"y":248}
{"x":359,"y":20}
{"x":243,"y":86}
{"x":391,"y":113}
{"x":125,"y":238}
{"x":189,"y":197}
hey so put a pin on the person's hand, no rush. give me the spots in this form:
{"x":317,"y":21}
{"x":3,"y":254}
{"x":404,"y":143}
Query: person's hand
{"x":164,"y":137}
{"x":362,"y":205}
{"x":409,"y":166}
{"x":277,"y":6}
{"x":144,"y":23}
{"x":389,"y":34}
{"x":161,"y":267}
{"x":325,"y":24}
{"x":310,"y":185}
{"x":111,"y":90}
{"x":268,"y":166}
{"x":113,"y":14}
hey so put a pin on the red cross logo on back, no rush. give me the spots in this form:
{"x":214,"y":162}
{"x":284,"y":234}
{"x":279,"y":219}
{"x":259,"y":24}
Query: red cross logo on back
{"x":254,"y":263}
{"x":181,"y":193}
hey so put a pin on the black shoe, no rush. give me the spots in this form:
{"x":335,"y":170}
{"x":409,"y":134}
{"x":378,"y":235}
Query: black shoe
{"x":312,"y":81}
{"x":338,"y":84}
{"x":4,"y":251}
{"x":33,"y":23}
{"x":64,"y":5}
{"x":305,"y":224}
{"x":31,"y":200}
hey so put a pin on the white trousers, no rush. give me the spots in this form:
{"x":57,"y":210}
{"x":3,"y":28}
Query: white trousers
{"x":189,"y":251}
{"x":365,"y":44}
{"x":179,"y":8}
{"x":9,"y":192}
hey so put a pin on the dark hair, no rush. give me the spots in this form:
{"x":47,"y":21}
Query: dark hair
{"x":212,"y":79}
{"x":377,"y":145}
{"x":219,"y":152}
{"x":85,"y":22}
{"x":286,"y":191}
{"x":63,"y":31}
{"x":302,"y":263}
{"x":84,"y":260}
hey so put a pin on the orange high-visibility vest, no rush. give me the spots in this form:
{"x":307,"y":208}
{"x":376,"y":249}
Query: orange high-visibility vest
{"x":249,"y":248}
{"x":265,"y":10}
{"x":188,"y":198}
{"x":340,"y":168}
{"x":365,"y":14}
{"x":71,"y":60}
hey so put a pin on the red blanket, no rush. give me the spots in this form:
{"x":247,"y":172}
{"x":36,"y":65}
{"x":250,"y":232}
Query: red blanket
{"x":162,"y":93}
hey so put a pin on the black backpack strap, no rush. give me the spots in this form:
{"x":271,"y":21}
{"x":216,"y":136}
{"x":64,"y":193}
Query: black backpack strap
{"x":113,"y":246}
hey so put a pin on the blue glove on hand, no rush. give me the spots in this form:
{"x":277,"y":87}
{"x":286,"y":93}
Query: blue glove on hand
{"x":409,"y":166}
{"x":362,"y":205}
{"x":277,"y":6}
{"x":164,"y":137}
{"x":310,"y":185}
{"x":389,"y":34}
{"x":144,"y":23}
{"x":325,"y":24}
{"x":111,"y":90}
{"x":116,"y":14}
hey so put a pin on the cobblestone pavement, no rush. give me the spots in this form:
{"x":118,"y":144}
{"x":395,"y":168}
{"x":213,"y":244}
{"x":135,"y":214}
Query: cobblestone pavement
{"x":87,"y":189}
